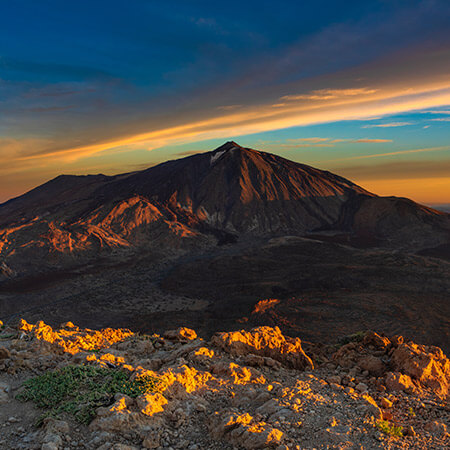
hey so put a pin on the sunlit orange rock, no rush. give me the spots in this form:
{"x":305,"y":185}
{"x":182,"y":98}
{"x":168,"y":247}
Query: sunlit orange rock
{"x":181,"y":334}
{"x":243,"y":431}
{"x":184,"y":380}
{"x":427,"y":364}
{"x":265,"y":341}
{"x":72,"y":339}
{"x":151,"y":403}
{"x":263,"y":305}
{"x":399,"y":382}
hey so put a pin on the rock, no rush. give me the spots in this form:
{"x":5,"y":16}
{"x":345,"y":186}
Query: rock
{"x":385,"y":403}
{"x":372,"y":364}
{"x":243,"y":431}
{"x":376,"y":340}
{"x":51,"y":441}
{"x":182,"y":334}
{"x":4,"y":392}
{"x":372,"y":408}
{"x":427,"y":364}
{"x":50,"y":446}
{"x":152,"y":439}
{"x":151,"y":403}
{"x":334,"y":379}
{"x":437,"y":429}
{"x":362,"y":387}
{"x":265,"y":341}
{"x":55,"y":426}
{"x":409,"y":431}
{"x":399,"y":382}
{"x":4,"y":353}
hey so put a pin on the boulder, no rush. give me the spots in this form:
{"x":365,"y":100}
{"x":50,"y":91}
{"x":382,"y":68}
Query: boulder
{"x":373,"y":365}
{"x":426,"y":364}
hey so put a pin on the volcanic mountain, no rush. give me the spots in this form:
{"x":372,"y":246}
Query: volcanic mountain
{"x":219,"y":196}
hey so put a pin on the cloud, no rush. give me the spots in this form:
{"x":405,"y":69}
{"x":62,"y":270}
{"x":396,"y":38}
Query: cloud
{"x":310,"y":139}
{"x":442,"y":119}
{"x":190,"y":152}
{"x":435,"y":112}
{"x":375,"y":141}
{"x":398,"y":153}
{"x":228,"y":107}
{"x":397,"y":170}
{"x":388,"y":125}
{"x":329,"y":94}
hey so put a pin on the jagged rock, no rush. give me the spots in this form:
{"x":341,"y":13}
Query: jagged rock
{"x":151,"y":403}
{"x":242,"y":430}
{"x":426,"y":364}
{"x":375,"y":339}
{"x":399,"y":382}
{"x":265,"y":341}
{"x":182,"y":334}
{"x":372,"y":408}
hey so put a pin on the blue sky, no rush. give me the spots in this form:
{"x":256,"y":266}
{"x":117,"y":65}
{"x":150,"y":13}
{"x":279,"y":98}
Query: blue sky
{"x":360,"y":88}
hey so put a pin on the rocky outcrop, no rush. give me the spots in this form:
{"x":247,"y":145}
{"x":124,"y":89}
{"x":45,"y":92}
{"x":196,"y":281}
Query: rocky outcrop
{"x":265,"y":341}
{"x":426,"y":364}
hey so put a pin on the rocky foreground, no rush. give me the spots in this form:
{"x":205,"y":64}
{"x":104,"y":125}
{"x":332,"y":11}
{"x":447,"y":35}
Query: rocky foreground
{"x":241,"y":390}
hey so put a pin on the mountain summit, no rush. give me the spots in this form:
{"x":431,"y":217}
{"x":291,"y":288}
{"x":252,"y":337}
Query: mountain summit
{"x":229,"y":192}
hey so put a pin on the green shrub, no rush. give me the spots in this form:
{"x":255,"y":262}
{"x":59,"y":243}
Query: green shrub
{"x":389,"y":428}
{"x":79,"y":390}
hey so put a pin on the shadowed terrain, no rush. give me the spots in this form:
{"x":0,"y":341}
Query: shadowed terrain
{"x":201,"y":240}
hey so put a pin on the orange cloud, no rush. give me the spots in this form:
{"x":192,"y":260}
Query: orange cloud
{"x":328,"y":94}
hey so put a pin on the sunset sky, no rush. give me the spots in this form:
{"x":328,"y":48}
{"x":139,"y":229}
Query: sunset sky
{"x":361,"y":88}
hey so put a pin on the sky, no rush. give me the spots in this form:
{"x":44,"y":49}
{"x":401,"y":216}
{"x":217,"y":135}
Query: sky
{"x":360,"y":88}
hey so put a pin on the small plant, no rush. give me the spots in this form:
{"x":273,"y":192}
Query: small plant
{"x":411,"y":412}
{"x":79,"y":390}
{"x":355,"y":337}
{"x":389,"y":428}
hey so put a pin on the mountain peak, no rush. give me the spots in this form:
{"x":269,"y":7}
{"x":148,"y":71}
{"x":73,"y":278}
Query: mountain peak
{"x":229,"y":145}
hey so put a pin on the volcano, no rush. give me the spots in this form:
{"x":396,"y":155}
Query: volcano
{"x":221,"y":196}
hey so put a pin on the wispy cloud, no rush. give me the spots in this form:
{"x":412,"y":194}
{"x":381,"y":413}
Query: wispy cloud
{"x":309,"y":139}
{"x":329,"y":94}
{"x":437,"y":111}
{"x":397,"y":170}
{"x":388,"y":125}
{"x":369,"y":141}
{"x":441,"y":119}
{"x":398,"y":153}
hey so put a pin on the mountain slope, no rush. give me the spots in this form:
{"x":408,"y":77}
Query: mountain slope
{"x":229,"y":192}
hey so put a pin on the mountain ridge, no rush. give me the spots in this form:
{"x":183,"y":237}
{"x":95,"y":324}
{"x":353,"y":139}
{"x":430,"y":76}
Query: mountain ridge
{"x":229,"y":193}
